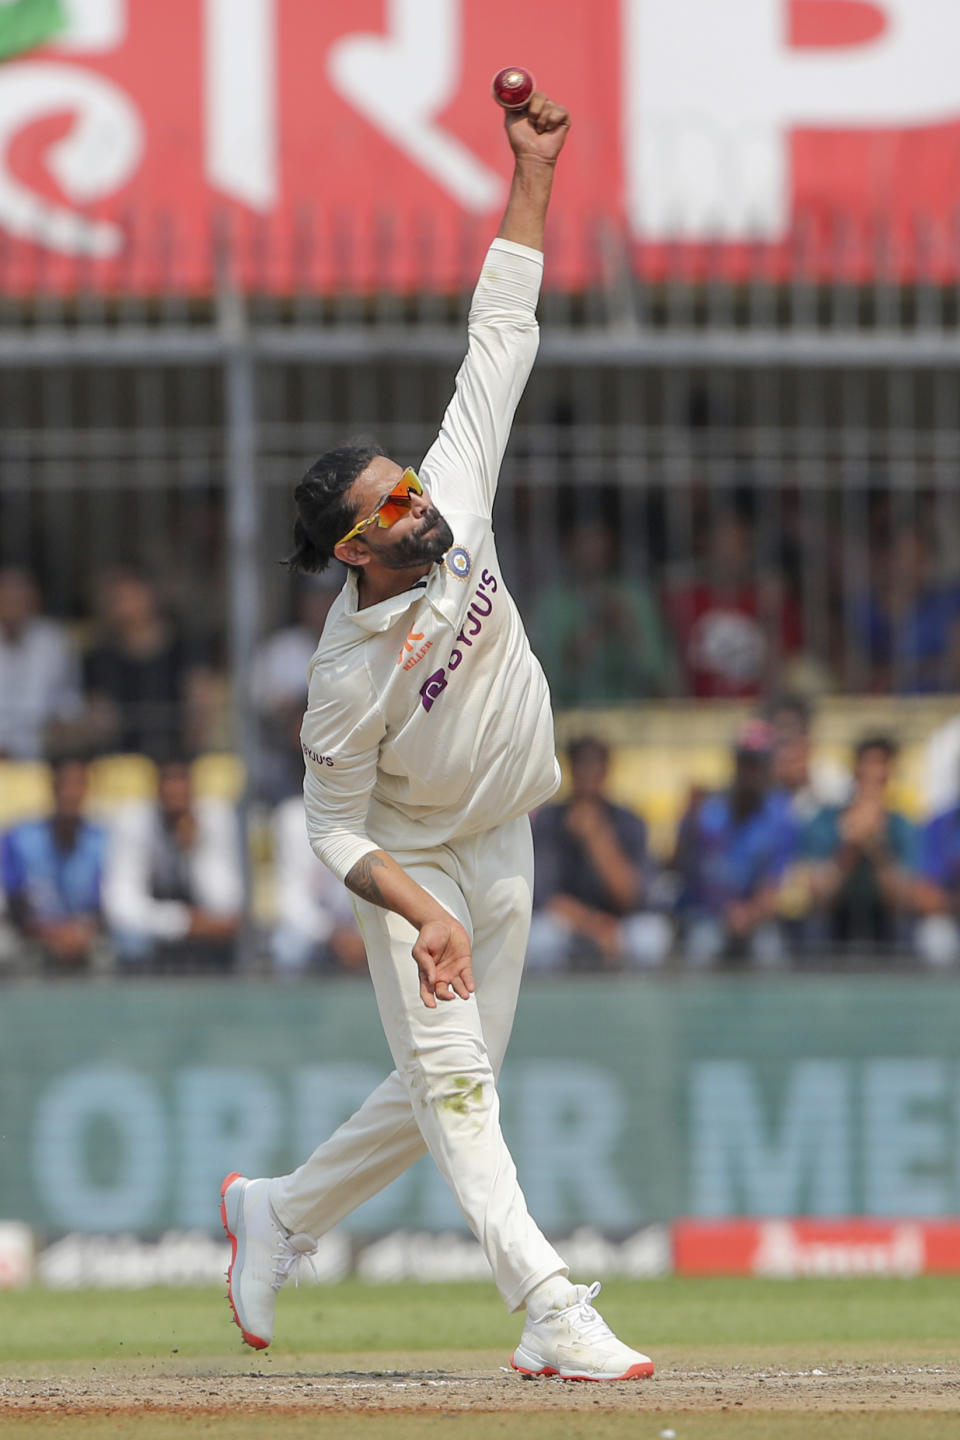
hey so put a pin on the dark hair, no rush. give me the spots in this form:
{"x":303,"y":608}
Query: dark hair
{"x":584,"y":745}
{"x":792,"y":704}
{"x":128,"y":569}
{"x":66,"y":760}
{"x":323,"y":515}
{"x":886,"y":743}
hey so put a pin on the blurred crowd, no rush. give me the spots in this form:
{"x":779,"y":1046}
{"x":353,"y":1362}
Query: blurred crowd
{"x":792,"y":861}
{"x":745,"y":615}
{"x":741,"y":609}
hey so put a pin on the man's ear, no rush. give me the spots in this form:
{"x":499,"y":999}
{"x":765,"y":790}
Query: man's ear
{"x":352,"y":552}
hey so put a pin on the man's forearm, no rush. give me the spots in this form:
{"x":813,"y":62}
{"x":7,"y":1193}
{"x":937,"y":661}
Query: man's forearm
{"x":525,"y":216}
{"x":931,"y":899}
{"x":621,"y":879}
{"x":378,"y":878}
{"x":896,"y":884}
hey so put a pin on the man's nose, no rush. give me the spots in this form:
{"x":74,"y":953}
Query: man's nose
{"x":420,"y":504}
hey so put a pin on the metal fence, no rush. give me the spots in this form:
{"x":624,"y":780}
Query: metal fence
{"x":792,"y":446}
{"x":781,"y":452}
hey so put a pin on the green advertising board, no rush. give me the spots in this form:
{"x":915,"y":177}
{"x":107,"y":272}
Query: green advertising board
{"x":624,"y":1101}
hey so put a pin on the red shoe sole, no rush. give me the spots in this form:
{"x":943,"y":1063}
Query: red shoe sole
{"x":643,"y":1371}
{"x":252,"y":1340}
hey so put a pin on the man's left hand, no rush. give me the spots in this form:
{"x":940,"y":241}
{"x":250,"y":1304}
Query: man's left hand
{"x":443,"y":953}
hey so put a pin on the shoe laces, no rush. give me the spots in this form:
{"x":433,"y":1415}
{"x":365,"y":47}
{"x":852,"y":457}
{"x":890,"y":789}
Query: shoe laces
{"x":589,"y":1322}
{"x":289,"y":1260}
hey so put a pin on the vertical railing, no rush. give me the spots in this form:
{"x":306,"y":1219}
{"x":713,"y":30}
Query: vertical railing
{"x":243,"y":559}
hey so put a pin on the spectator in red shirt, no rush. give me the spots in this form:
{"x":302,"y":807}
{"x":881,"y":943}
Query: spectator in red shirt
{"x":736,"y":625}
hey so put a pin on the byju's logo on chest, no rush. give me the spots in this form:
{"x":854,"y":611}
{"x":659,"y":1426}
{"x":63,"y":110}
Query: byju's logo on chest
{"x":433,"y":686}
{"x":479,"y":608}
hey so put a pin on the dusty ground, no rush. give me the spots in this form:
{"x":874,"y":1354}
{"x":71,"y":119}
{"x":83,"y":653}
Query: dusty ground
{"x":448,"y":1383}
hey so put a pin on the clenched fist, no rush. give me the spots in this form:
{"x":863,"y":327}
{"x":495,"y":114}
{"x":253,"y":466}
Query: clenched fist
{"x":538,"y":131}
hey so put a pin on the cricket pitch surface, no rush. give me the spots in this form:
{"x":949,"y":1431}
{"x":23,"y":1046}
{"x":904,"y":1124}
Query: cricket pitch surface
{"x":751,"y":1360}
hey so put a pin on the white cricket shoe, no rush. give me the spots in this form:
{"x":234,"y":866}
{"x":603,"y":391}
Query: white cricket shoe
{"x":264,"y":1256}
{"x":575,"y":1343}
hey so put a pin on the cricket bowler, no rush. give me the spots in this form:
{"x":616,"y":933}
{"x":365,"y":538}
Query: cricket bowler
{"x":427,"y":739}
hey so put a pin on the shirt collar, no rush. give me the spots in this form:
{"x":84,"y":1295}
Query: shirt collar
{"x":380,"y":617}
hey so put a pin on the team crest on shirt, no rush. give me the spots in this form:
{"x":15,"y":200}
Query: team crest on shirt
{"x":459,"y":561}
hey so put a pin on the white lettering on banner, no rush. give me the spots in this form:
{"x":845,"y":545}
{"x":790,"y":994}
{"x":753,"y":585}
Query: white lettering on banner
{"x":713,"y":92}
{"x":109,"y":1151}
{"x":737,"y":1166}
{"x":240,"y":71}
{"x":782,"y":1254}
{"x":569,"y":1121}
{"x":569,"y":1124}
{"x":229,"y":1119}
{"x":100,"y":153}
{"x":400,"y":81}
{"x":93,"y":25}
{"x":127,"y":1105}
{"x":905,"y":1151}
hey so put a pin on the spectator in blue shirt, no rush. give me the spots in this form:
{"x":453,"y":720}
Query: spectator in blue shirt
{"x":732,"y":851}
{"x":52,"y":873}
{"x":593,"y":874}
{"x":909,"y":623}
{"x":862,"y":857}
{"x":938,"y":890}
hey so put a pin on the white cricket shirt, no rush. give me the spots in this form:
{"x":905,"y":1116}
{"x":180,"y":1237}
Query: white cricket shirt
{"x":428,"y":715}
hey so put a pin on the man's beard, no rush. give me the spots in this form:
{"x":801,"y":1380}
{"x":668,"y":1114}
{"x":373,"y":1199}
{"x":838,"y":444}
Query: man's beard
{"x":426,"y":545}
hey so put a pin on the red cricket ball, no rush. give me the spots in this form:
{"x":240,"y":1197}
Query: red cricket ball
{"x":512,"y":87}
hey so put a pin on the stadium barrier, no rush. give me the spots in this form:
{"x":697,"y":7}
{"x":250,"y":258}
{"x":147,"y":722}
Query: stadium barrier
{"x":772,"y":1249}
{"x":626,"y":1104}
{"x":788,"y":1249}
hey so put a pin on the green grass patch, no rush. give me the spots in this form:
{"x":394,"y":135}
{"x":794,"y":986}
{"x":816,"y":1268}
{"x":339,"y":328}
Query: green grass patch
{"x":877,"y":1318}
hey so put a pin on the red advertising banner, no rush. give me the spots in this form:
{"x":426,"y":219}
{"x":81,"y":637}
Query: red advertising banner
{"x":357,"y":146}
{"x":787,"y":1249}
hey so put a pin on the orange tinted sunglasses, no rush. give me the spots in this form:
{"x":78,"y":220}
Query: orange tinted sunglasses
{"x":391,"y":508}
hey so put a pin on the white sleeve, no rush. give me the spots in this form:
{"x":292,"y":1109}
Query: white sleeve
{"x":217,"y":867}
{"x":127,"y":901}
{"x":461,"y":467}
{"x":340,"y":738}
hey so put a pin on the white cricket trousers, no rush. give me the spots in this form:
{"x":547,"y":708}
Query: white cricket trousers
{"x":442,"y":1095}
